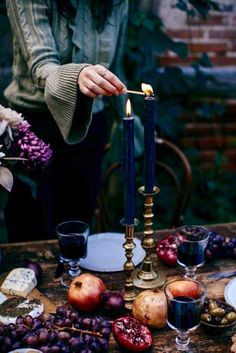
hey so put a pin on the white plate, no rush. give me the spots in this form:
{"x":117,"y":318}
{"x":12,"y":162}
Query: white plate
{"x":230,"y":292}
{"x":106,"y":253}
{"x":26,"y":350}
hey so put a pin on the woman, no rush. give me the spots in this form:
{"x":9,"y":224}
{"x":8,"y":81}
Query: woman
{"x":67,"y":57}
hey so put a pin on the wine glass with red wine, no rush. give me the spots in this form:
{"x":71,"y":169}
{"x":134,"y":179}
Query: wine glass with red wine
{"x":72,"y":238}
{"x":185,"y":300}
{"x":191,"y":241}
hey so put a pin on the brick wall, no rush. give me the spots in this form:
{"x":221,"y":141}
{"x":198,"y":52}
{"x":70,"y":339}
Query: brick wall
{"x":217,"y":37}
{"x":217,"y":135}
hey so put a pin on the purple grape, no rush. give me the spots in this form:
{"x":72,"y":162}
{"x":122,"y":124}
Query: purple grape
{"x":60,"y":322}
{"x":106,"y":324}
{"x":21,"y":330}
{"x":48,"y":324}
{"x":95,"y":347}
{"x":65,"y":349}
{"x":32,"y":340}
{"x":52,"y":336}
{"x":45,"y":349}
{"x":68,"y":322}
{"x":105,"y":332}
{"x":7,"y":342}
{"x":87,"y":323}
{"x":19,"y":320}
{"x":64,"y":335}
{"x":61,"y":311}
{"x":103,"y":343}
{"x":11,"y":327}
{"x":77,"y":343}
{"x":16,"y":345}
{"x":43,"y":336}
{"x":74,"y":316}
{"x":28,"y":320}
{"x":37,"y":324}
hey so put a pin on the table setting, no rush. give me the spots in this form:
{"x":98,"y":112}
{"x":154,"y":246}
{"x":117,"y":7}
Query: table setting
{"x":170,"y":290}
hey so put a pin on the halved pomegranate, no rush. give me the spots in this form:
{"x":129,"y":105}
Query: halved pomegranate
{"x":131,"y":334}
{"x":166,"y":250}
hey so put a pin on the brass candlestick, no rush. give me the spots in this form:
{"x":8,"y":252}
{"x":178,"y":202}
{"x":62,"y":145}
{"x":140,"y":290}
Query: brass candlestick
{"x":146,"y":276}
{"x":129,"y":245}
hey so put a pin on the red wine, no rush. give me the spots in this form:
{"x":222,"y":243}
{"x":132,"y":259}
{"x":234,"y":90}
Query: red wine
{"x":191,"y":254}
{"x":184,"y":313}
{"x":73,"y":246}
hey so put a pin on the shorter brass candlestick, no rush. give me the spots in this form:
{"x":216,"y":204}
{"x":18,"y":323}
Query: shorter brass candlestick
{"x":129,"y":245}
{"x":146,"y":277}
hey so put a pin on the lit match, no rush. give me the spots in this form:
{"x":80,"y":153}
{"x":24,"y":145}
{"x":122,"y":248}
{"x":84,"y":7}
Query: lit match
{"x":135,"y":92}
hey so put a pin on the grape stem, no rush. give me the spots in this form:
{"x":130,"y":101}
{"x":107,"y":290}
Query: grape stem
{"x":73,"y":328}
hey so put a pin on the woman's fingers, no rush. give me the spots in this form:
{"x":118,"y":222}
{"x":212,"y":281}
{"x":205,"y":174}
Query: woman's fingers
{"x":97,"y":80}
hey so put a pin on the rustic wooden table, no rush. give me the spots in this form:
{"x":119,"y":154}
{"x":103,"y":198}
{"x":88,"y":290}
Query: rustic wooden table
{"x":46,"y":253}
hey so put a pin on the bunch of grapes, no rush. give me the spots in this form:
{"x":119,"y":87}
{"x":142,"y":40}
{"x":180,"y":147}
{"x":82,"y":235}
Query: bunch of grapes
{"x":219,"y":247}
{"x":65,"y":331}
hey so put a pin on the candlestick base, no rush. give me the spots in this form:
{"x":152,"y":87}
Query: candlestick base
{"x":147,"y":280}
{"x":147,"y":276}
{"x":129,"y":245}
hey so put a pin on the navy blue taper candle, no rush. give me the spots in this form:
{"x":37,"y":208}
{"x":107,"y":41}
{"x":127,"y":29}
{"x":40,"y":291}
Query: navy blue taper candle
{"x":149,"y":138}
{"x":128,"y":167}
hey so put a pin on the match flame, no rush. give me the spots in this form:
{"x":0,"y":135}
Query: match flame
{"x":147,"y":89}
{"x":128,"y":108}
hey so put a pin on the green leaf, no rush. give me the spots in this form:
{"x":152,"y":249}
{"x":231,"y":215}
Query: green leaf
{"x":3,"y":198}
{"x":205,"y":61}
{"x":181,"y":5}
{"x":28,"y":181}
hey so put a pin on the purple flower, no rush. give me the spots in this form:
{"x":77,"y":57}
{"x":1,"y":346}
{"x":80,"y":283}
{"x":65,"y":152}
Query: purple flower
{"x":32,"y":148}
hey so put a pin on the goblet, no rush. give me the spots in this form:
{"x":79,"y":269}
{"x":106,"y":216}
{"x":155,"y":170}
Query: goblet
{"x":191,"y":244}
{"x":72,"y":238}
{"x":185,"y":300}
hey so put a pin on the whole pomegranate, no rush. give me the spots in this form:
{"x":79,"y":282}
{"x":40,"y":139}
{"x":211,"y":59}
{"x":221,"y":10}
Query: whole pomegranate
{"x":150,"y":307}
{"x":131,"y":334}
{"x":166,"y":250}
{"x":85,"y":292}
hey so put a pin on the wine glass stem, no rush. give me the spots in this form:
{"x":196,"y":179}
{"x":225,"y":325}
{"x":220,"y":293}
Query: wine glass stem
{"x":74,"y":268}
{"x":190,"y":272}
{"x":182,"y":341}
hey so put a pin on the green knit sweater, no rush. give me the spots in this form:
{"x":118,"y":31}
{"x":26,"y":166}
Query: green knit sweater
{"x":49,"y":53}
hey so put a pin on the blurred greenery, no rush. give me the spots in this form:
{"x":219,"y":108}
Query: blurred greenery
{"x":213,"y":194}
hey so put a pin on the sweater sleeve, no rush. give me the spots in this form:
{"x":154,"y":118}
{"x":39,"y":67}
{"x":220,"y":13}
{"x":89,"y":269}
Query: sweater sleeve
{"x":70,"y":108}
{"x":30,"y":23}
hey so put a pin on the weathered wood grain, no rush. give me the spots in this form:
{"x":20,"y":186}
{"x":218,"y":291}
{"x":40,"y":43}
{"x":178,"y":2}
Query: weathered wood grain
{"x":46,"y":253}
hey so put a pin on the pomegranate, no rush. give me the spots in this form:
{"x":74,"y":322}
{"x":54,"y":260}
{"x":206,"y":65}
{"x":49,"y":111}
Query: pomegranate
{"x":184,"y":288}
{"x":166,"y":250}
{"x":85,"y":292}
{"x":131,"y":334}
{"x":150,"y":307}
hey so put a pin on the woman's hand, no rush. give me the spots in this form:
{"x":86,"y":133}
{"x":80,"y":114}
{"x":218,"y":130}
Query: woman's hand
{"x":95,"y":80}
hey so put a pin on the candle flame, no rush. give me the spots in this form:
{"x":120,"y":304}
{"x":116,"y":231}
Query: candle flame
{"x":147,"y":89}
{"x":128,"y":108}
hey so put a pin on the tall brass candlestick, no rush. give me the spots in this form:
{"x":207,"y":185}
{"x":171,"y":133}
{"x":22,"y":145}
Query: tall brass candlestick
{"x":147,"y":277}
{"x":129,"y":245}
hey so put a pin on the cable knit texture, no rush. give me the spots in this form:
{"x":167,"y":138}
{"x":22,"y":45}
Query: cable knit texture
{"x":49,"y":53}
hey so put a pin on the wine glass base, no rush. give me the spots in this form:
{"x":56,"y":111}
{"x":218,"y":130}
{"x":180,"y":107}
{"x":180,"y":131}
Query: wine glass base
{"x":70,"y":273}
{"x":174,"y":349}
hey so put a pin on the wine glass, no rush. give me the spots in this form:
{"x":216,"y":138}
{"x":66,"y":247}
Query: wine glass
{"x":191,"y":241}
{"x":185,"y":300}
{"x":72,"y":238}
